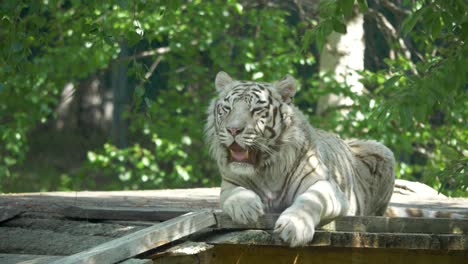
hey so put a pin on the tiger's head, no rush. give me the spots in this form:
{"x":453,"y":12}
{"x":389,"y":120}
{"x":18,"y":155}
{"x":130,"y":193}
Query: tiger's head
{"x":247,"y":121}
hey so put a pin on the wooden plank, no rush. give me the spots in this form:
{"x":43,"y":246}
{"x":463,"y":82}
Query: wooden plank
{"x":130,"y":223}
{"x":39,"y":221}
{"x":370,"y":224}
{"x":45,"y":242}
{"x":137,"y":261}
{"x":193,"y":199}
{"x":143,"y":240}
{"x":375,"y":224}
{"x":348,"y":224}
{"x":190,"y":199}
{"x":123,"y":213}
{"x":348,"y":240}
{"x":185,"y":248}
{"x":8,"y":213}
{"x":26,"y":259}
{"x":324,"y":255}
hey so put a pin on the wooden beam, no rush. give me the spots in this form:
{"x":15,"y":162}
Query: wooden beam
{"x":46,"y":242}
{"x":324,"y":255}
{"x":149,"y":238}
{"x":22,"y":258}
{"x":371,"y":224}
{"x":137,"y":261}
{"x":123,"y":213}
{"x":347,"y":240}
{"x":189,"y":199}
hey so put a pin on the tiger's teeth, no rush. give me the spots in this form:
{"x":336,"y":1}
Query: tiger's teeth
{"x":239,"y":156}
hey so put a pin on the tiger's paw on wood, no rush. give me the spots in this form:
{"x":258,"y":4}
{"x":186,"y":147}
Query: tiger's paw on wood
{"x":295,"y":227}
{"x":244,"y":207}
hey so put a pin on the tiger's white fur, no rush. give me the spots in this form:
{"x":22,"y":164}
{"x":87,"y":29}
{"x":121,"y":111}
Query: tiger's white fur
{"x":272,"y":160}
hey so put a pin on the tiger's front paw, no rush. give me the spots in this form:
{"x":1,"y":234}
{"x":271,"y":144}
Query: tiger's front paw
{"x":244,"y":207}
{"x":296,"y":228}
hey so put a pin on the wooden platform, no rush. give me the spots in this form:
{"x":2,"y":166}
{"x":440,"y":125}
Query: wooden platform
{"x":157,"y":226}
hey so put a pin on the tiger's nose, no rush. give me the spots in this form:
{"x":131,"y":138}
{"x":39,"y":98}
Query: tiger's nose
{"x":234,"y":130}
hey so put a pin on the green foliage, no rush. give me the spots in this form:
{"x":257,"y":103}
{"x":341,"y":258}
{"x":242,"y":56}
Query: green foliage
{"x":431,"y":104}
{"x":415,"y":106}
{"x":333,"y":16}
{"x":66,"y":41}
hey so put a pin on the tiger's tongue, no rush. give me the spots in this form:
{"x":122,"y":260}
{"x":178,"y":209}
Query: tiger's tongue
{"x":238,"y":153}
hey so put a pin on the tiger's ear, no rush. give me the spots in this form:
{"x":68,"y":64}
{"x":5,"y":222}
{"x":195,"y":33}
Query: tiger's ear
{"x":286,"y":87}
{"x":222,"y":80}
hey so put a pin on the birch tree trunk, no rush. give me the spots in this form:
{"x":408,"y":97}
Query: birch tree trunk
{"x":343,"y":55}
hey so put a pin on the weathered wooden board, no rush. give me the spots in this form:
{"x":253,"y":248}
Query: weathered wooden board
{"x":349,"y":224}
{"x":198,"y":198}
{"x":49,"y":234}
{"x":26,"y":259}
{"x":190,"y":199}
{"x":124,"y":213}
{"x":364,"y":224}
{"x":137,"y":261}
{"x":348,"y":240}
{"x":41,"y":221}
{"x":42,"y":259}
{"x":222,"y":254}
{"x":45,"y":242}
{"x":143,"y":240}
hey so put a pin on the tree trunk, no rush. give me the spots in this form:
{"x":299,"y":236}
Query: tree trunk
{"x":343,"y":55}
{"x":121,"y":98}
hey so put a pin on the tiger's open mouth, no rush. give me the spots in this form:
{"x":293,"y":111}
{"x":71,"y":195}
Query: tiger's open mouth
{"x":239,"y":154}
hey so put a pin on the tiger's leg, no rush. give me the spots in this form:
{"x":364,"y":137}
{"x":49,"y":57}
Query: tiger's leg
{"x":322,"y":202}
{"x":241,"y":204}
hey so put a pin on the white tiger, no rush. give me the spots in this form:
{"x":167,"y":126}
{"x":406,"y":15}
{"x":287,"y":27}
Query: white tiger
{"x":272,"y":160}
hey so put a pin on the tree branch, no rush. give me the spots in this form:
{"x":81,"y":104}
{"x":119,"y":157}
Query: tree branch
{"x":153,"y":67}
{"x":391,"y":34}
{"x":147,"y":53}
{"x":394,"y":8}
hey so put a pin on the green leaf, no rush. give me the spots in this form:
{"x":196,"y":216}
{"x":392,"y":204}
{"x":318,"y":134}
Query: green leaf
{"x":409,"y":23}
{"x":436,"y":27}
{"x":339,"y":26}
{"x":464,"y":31}
{"x":420,"y":112}
{"x":139,"y":91}
{"x":327,"y":9}
{"x":133,"y":38}
{"x":406,"y":116}
{"x":307,"y":39}
{"x":391,"y":81}
{"x":362,"y":5}
{"x":323,"y":30}
{"x":449,"y":152}
{"x":346,"y":7}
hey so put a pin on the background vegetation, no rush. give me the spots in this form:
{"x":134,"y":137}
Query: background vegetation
{"x":112,"y":95}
